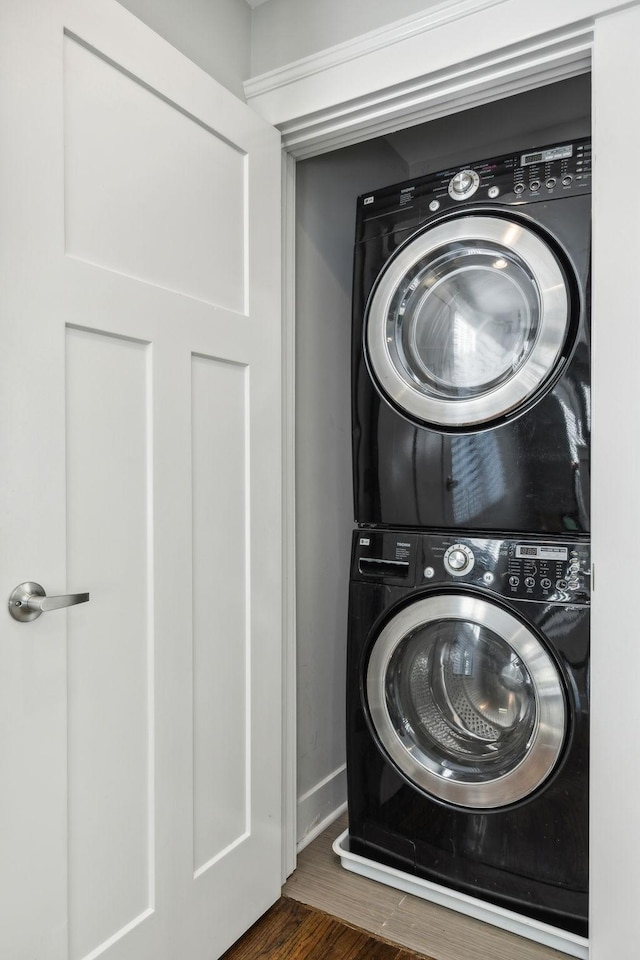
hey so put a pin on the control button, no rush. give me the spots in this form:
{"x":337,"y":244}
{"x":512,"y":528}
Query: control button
{"x":529,"y":582}
{"x":574,"y":568}
{"x":567,"y":180}
{"x":545,"y":583}
{"x":464,"y":184}
{"x":534,"y":185}
{"x":459,"y":559}
{"x":434,"y":205}
{"x":493,"y":192}
{"x":514,"y":581}
{"x":488,"y":577}
{"x":519,"y":188}
{"x":573,"y":585}
{"x":429,"y":572}
{"x":551,"y":182}
{"x":561,"y":584}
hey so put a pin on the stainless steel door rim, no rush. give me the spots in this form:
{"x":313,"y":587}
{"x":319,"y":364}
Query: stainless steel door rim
{"x":453,"y":781}
{"x":534,"y":280}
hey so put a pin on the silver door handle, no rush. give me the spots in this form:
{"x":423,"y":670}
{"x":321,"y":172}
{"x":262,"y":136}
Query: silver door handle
{"x":29,"y":600}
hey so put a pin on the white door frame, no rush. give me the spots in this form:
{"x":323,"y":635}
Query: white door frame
{"x":333,"y":99}
{"x":289,"y":697}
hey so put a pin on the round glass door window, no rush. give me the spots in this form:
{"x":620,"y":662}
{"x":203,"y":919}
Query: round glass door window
{"x":466,"y":701}
{"x":467,"y":321}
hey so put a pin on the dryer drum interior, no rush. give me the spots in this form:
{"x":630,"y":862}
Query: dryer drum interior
{"x":466,"y":701}
{"x":467,"y":322}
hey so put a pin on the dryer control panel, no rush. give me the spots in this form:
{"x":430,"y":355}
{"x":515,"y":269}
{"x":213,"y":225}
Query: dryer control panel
{"x":547,"y":173}
{"x":522,"y":568}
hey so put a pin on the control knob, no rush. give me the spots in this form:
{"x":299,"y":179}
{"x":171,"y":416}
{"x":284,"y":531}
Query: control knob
{"x":459,"y":559}
{"x":463,"y":184}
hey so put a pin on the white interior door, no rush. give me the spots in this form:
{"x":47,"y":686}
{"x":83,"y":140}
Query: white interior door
{"x":140,"y":411}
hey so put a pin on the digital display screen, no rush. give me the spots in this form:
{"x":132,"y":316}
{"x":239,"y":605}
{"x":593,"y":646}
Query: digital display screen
{"x":546,"y":156}
{"x":543,"y":552}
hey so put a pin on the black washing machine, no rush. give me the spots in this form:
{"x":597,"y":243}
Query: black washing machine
{"x":468,"y":715}
{"x":471,"y":361}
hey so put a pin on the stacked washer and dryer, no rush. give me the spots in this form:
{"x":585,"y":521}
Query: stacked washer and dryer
{"x":468,"y":647}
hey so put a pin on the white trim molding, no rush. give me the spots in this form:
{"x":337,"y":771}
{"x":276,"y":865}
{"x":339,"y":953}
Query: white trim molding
{"x":445,"y":12}
{"x":512,"y":70}
{"x":456,"y":56}
{"x":322,"y":826}
{"x":321,"y":805}
{"x":289,"y":767}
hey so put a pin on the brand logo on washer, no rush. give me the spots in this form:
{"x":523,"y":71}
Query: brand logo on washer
{"x":398,"y":544}
{"x":367,"y":200}
{"x":364,"y":541}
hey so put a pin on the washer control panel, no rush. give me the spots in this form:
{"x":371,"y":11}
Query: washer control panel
{"x":525,"y":568}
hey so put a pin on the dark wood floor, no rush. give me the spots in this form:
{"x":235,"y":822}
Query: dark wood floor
{"x":295,"y":931}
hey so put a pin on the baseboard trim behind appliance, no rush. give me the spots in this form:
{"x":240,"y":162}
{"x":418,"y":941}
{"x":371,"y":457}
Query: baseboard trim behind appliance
{"x":321,"y":805}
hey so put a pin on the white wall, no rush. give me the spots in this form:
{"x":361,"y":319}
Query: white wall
{"x":615,"y":655}
{"x":327,"y":187}
{"x":215,"y":34}
{"x":287,"y":30}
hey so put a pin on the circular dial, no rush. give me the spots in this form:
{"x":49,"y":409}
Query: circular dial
{"x":459,"y":559}
{"x":463,"y":184}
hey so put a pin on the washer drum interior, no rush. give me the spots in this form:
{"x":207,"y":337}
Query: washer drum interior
{"x":466,"y":701}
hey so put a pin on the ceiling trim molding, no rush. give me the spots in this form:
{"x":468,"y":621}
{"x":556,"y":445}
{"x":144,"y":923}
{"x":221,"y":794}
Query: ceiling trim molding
{"x":512,"y":70}
{"x":436,"y":16}
{"x":492,"y":50}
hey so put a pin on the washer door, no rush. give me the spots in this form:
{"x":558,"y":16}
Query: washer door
{"x":467,"y":321}
{"x":466,"y":701}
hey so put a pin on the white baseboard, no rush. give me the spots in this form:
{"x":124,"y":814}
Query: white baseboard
{"x":320,"y":806}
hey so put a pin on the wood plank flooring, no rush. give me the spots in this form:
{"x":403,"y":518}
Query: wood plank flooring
{"x":294,"y":931}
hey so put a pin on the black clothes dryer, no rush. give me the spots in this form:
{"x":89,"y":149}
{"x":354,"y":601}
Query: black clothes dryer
{"x":468,"y":715}
{"x":471,"y":361}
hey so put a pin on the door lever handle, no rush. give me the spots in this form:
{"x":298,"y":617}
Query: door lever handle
{"x":29,"y":600}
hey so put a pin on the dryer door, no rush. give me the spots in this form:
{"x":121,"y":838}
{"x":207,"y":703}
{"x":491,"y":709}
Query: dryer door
{"x":466,"y":701}
{"x":467,"y":321}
